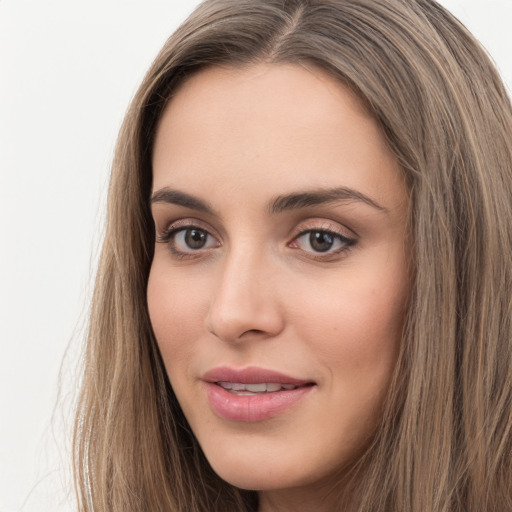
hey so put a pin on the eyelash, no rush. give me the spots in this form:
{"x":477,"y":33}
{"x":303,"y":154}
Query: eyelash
{"x":184,"y":226}
{"x":345,"y":242}
{"x":169,"y":237}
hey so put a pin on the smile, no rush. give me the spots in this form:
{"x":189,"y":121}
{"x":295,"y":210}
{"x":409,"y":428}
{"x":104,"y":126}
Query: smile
{"x":240,"y":389}
{"x":253,"y":394}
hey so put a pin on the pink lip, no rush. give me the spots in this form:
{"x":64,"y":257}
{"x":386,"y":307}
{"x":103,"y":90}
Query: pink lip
{"x":257,"y":407}
{"x":250,"y":375}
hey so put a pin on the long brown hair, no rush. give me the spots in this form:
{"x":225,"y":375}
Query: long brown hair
{"x":445,"y":440}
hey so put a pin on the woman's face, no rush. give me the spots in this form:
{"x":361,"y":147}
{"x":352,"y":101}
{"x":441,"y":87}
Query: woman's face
{"x":279,"y":280}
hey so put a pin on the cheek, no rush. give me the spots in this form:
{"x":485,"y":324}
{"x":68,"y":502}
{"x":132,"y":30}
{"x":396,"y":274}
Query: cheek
{"x":356,"y":328}
{"x":177,"y":315}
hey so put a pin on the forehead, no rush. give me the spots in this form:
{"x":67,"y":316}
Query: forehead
{"x":284,"y":125}
{"x":262,"y":81}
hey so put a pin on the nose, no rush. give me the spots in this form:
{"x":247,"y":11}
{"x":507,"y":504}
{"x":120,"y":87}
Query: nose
{"x":245,"y":303}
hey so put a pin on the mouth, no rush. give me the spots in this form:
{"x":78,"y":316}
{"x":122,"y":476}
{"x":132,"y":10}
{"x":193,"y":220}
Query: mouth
{"x":253,"y":394}
{"x":241,"y":389}
{"x":252,"y":375}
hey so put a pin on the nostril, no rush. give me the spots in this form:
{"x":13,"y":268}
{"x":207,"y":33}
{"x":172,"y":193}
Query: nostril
{"x":252,"y":332}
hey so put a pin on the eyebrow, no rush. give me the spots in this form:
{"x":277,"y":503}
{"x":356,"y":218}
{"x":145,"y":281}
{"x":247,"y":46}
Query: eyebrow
{"x":168,"y":195}
{"x":322,"y":196}
{"x":279,"y":204}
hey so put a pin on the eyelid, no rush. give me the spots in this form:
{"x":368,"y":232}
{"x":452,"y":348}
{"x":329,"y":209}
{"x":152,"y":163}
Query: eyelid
{"x":324,"y":225}
{"x":346,"y":237}
{"x":188,"y":222}
{"x":168,"y":237}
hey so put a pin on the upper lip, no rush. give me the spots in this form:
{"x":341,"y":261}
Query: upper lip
{"x":251,"y":375}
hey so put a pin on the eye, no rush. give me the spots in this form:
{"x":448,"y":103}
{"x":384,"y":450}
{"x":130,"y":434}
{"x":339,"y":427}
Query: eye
{"x":192,"y":239}
{"x":185,"y":241}
{"x":322,"y":243}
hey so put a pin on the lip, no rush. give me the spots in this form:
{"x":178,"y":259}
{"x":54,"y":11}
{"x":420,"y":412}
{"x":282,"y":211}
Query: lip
{"x":257,"y":407}
{"x":250,"y":375}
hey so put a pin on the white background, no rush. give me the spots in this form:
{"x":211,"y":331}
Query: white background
{"x":67,"y":72}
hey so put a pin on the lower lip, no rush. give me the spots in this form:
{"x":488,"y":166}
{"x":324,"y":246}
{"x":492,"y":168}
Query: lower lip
{"x":252,"y":408}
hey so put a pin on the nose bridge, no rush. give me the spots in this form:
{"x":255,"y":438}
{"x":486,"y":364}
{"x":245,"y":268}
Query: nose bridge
{"x":244,"y":301}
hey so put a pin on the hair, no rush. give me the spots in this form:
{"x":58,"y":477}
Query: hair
{"x":444,"y":443}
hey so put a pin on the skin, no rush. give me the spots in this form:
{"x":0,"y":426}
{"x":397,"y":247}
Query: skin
{"x":258,"y":293}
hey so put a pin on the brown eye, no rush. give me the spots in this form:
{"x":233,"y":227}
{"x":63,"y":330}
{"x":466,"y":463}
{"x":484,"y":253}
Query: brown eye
{"x":189,"y":240}
{"x":195,"y":238}
{"x":321,"y":241}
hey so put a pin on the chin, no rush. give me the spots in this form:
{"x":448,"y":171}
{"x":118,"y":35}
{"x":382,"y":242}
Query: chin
{"x":261,"y":470}
{"x":259,"y":479}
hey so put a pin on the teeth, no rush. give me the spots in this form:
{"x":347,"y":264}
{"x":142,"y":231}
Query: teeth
{"x":249,"y":389}
{"x":256,"y":388}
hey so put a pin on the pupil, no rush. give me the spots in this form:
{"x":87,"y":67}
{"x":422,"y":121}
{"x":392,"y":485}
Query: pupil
{"x":195,"y":238}
{"x":320,"y":241}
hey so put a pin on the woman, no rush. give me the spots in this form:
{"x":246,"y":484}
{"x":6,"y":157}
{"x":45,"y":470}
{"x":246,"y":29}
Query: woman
{"x":303,"y":300}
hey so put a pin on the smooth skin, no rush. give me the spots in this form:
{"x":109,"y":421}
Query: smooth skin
{"x":250,"y":272}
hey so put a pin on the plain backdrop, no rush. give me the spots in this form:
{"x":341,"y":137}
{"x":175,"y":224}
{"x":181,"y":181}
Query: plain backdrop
{"x":67,"y":72}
